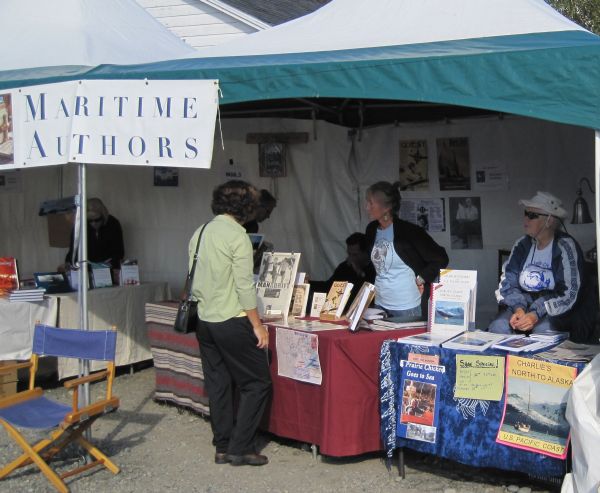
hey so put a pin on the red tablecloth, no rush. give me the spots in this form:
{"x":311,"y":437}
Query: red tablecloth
{"x":341,"y":415}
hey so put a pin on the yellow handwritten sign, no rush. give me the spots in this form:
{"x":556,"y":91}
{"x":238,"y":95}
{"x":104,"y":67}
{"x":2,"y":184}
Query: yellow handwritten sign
{"x":479,"y":377}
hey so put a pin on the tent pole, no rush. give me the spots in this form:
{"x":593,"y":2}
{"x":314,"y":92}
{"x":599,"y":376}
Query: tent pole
{"x":597,"y":196}
{"x":83,"y":272}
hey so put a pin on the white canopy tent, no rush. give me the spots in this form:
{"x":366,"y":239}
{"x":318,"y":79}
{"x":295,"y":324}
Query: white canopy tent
{"x":83,"y":33}
{"x":509,"y":56}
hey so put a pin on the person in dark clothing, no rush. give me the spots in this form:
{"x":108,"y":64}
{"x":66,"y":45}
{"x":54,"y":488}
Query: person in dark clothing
{"x":266,"y":204}
{"x":407,"y":260}
{"x":105,"y":236}
{"x":357,"y":268}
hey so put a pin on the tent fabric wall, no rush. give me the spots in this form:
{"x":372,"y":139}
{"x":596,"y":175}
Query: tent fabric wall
{"x":516,"y":56}
{"x":321,"y":201}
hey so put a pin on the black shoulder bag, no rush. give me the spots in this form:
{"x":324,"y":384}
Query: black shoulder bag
{"x":187,"y":313}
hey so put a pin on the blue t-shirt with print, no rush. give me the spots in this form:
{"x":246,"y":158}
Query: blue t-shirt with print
{"x":395,"y":283}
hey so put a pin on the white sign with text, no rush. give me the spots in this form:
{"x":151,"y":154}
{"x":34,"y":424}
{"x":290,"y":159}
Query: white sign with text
{"x":148,"y":123}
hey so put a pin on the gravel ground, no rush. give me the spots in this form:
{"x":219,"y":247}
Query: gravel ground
{"x":161,"y":448}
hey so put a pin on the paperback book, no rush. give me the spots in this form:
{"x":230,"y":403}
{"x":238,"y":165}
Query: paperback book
{"x":9,"y":275}
{"x":275,"y":284}
{"x":318,"y":300}
{"x":418,"y":413}
{"x":522,"y":344}
{"x":299,"y":300}
{"x":336,"y":300}
{"x":535,"y":400}
{"x":101,"y":277}
{"x":358,"y":306}
{"x":453,"y":301}
{"x":477,"y":340}
{"x":130,"y":273}
{"x":52,"y":282}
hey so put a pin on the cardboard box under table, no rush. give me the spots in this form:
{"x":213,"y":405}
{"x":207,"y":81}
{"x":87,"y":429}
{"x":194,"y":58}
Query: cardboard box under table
{"x":8,"y":380}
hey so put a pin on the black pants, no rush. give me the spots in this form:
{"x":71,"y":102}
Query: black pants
{"x":229,"y":355}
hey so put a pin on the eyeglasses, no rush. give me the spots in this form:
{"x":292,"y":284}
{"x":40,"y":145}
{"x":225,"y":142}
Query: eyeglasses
{"x":533,"y":215}
{"x":97,"y":220}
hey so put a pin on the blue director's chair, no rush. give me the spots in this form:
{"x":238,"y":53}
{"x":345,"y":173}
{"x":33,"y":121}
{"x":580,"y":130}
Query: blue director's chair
{"x":30,"y":409}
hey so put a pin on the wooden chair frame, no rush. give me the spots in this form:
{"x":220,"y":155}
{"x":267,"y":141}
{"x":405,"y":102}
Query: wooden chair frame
{"x":71,"y":429}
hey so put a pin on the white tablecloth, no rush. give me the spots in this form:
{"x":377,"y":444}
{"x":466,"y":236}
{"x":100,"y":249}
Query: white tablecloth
{"x":17,"y":320}
{"x":120,"y":306}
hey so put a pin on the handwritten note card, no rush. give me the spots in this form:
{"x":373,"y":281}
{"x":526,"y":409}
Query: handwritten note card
{"x":479,"y":377}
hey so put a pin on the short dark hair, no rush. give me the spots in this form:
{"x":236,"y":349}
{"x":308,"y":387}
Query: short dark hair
{"x":390,"y":192}
{"x":266,"y":198}
{"x":237,"y":198}
{"x":359,"y":239}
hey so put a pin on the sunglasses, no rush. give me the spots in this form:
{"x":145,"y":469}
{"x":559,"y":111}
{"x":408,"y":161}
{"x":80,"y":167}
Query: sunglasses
{"x":533,"y":215}
{"x":97,"y":220}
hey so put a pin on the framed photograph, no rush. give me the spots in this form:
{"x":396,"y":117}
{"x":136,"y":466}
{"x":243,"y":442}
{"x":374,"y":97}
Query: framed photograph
{"x":454,"y":163}
{"x":272,"y":159}
{"x":166,"y":177}
{"x":465,"y":223}
{"x":6,"y":130}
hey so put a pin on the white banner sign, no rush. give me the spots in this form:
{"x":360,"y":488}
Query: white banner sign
{"x":148,"y":123}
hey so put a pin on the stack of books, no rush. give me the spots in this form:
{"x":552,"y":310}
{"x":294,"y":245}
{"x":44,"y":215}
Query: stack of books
{"x":36,"y":294}
{"x":162,"y":314}
{"x":571,"y":351}
{"x":425,"y":339}
{"x":393,"y":323}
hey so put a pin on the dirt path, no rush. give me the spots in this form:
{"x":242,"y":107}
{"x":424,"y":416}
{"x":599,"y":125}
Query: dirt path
{"x":160,"y":448}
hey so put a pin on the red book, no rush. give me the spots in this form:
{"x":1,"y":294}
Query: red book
{"x":9,"y":276}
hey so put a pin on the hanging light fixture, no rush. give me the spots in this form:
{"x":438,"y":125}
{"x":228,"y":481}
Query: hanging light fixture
{"x":581,"y":211}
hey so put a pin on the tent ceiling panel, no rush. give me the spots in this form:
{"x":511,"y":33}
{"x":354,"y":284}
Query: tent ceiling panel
{"x":552,"y":75}
{"x":354,"y":24}
{"x":42,"y":33}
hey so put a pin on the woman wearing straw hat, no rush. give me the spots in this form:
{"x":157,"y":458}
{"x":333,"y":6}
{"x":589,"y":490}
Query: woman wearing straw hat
{"x":542,"y":279}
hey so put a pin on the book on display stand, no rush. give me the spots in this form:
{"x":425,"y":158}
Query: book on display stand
{"x":9,"y":275}
{"x":299,"y":300}
{"x":358,"y":306}
{"x":336,"y":300}
{"x":130,"y":273}
{"x":453,"y":302}
{"x":318,"y":300}
{"x":275,"y":284}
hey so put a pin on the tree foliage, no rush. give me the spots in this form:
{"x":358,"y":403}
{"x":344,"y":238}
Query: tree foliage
{"x":586,"y":13}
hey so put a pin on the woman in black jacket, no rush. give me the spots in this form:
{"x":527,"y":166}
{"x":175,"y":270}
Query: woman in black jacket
{"x":405,"y":257}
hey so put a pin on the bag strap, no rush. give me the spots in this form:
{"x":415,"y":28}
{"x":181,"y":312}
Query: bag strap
{"x":187,"y":290}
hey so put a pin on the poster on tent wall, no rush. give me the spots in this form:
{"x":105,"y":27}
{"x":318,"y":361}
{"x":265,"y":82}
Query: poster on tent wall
{"x":454,"y":164}
{"x":414,"y":165}
{"x":146,"y":123}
